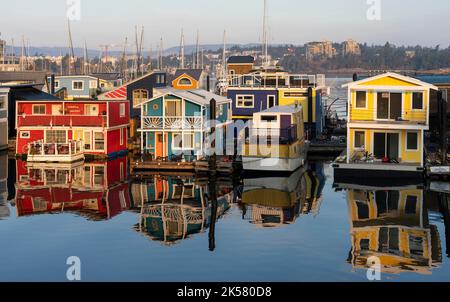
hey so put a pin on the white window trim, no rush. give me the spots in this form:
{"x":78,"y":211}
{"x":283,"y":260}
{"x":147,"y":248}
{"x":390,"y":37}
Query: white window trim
{"x":122,"y":110}
{"x":93,"y":148}
{"x":418,"y":142}
{"x":121,"y":137}
{"x":354,"y":139}
{"x":367,"y":100}
{"x":57,"y":84}
{"x":412,"y":101}
{"x":73,"y":85}
{"x":243,"y":96}
{"x":274,"y":100}
{"x":183,"y":147}
{"x":40,"y":105}
{"x":23,"y":132}
{"x":185,"y":85}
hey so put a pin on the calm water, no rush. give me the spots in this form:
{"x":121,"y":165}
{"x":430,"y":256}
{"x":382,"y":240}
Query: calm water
{"x":160,"y":228}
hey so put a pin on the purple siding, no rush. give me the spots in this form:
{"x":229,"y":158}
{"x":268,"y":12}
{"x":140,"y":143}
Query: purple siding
{"x":260,"y":104}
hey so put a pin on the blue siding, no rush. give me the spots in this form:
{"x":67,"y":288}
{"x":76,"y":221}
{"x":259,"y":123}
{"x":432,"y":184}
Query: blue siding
{"x":155,"y":108}
{"x":192,"y":109}
{"x":260,"y":103}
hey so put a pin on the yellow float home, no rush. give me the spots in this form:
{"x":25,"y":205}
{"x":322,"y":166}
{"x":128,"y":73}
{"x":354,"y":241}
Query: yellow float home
{"x":392,"y":225}
{"x":387,"y":117}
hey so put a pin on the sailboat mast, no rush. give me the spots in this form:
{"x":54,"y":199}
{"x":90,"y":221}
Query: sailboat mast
{"x":182,"y":50}
{"x":198,"y":50}
{"x":265,"y":47}
{"x":224,"y":59}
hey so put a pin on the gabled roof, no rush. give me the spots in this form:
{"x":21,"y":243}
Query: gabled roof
{"x":241,"y":60}
{"x":121,"y":92}
{"x":112,"y":76}
{"x":196,"y":74}
{"x":391,"y":75}
{"x":198,"y":96}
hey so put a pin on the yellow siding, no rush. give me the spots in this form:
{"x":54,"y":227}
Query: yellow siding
{"x":387,"y":81}
{"x":405,"y":155}
{"x":279,"y":151}
{"x":369,"y":113}
{"x":303,"y":101}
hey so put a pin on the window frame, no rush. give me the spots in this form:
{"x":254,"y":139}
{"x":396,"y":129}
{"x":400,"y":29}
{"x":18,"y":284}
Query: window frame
{"x":122,"y":110}
{"x":244,"y":96}
{"x":412,"y":101}
{"x":77,"y":89}
{"x":274,"y":100}
{"x":183,"y":84}
{"x":25,"y":132}
{"x":417,"y":141}
{"x":365,"y":102}
{"x":39,"y":105}
{"x":354,"y":139}
{"x":183,"y":145}
{"x":95,"y":141}
{"x":141,"y":98}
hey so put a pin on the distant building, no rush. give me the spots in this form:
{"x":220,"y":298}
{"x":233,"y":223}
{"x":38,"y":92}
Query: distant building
{"x":9,"y":78}
{"x":3,"y":118}
{"x":351,"y":47}
{"x":240,"y":65}
{"x":81,"y":86}
{"x":320,"y":49}
{"x":2,"y":50}
{"x":410,"y":54}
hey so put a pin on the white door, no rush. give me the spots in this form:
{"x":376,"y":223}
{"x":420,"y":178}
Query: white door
{"x":91,"y":110}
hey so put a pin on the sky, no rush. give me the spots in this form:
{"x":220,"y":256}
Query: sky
{"x":403,"y":22}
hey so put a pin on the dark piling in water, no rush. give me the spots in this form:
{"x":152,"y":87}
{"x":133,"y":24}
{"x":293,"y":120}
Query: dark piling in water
{"x":213,"y":176}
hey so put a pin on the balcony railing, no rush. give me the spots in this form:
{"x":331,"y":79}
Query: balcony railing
{"x":41,"y":151}
{"x":368,"y":115}
{"x":188,"y":123}
{"x":62,"y":120}
{"x":278,"y":81}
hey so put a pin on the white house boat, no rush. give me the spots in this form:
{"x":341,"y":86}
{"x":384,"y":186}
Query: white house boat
{"x":275,"y":141}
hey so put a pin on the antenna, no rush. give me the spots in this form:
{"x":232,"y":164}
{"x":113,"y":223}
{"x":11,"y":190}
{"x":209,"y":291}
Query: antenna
{"x":198,"y":50}
{"x":182,"y":50}
{"x":72,"y":54}
{"x":265,"y":41}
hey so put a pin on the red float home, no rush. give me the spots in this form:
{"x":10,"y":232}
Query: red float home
{"x":66,"y":131}
{"x":98,"y":191}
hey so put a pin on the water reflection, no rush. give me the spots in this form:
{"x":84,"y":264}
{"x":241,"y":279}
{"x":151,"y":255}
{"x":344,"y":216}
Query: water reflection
{"x":392,"y":223}
{"x":278,"y":201}
{"x":172,"y":209}
{"x":4,"y":210}
{"x":97,"y":191}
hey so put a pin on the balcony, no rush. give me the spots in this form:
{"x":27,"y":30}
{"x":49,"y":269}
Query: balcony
{"x":286,"y":81}
{"x":55,"y":152}
{"x":172,"y":123}
{"x":62,"y":121}
{"x":406,"y":117}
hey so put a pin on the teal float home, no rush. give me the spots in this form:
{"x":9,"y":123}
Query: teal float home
{"x":173,"y":122}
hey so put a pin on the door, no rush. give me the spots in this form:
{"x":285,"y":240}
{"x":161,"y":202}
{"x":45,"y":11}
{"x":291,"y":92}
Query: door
{"x":161,"y":145}
{"x":386,"y":145}
{"x":395,"y":106}
{"x":87,"y":140}
{"x":383,"y":106}
{"x":91,"y":110}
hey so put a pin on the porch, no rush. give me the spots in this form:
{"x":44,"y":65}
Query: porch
{"x":55,"y":152}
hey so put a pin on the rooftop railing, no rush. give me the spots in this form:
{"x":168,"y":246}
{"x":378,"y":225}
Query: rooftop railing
{"x":276,"y":81}
{"x":62,"y":120}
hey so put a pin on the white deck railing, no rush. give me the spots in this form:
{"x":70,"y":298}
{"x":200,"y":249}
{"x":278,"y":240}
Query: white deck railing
{"x":40,"y":151}
{"x":151,"y":122}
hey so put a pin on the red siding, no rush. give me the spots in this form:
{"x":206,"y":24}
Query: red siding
{"x":114,"y":114}
{"x":22,"y":143}
{"x":114,"y":140}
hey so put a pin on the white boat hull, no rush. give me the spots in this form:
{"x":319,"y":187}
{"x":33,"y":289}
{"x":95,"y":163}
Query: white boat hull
{"x":272,"y":164}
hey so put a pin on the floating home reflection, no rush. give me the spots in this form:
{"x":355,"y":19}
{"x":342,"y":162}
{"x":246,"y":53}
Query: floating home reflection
{"x":392,"y":223}
{"x":278,"y":201}
{"x":4,"y":210}
{"x":172,"y":209}
{"x":97,"y":190}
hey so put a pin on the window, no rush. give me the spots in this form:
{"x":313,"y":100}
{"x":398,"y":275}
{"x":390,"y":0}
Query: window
{"x":121,"y":137}
{"x":361,"y":99}
{"x":99,"y":175}
{"x":55,"y":136}
{"x":25,"y":134}
{"x":389,"y":106}
{"x":173,"y":108}
{"x":411,"y":205}
{"x":360,"y":139}
{"x":245,"y":101}
{"x":87,"y":140}
{"x":270,"y":101}
{"x":57,"y":83}
{"x":412,"y":141}
{"x":122,"y":110}
{"x":140,"y":96}
{"x":183,"y":141}
{"x":39,"y":109}
{"x":77,"y":85}
{"x":92,"y":84}
{"x":417,"y":103}
{"x":99,"y":141}
{"x":269,"y":118}
{"x":91,"y":109}
{"x":160,"y":79}
{"x":185,"y":82}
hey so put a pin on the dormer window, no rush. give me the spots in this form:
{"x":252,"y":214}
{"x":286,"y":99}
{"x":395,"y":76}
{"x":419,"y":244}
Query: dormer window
{"x":185,"y":82}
